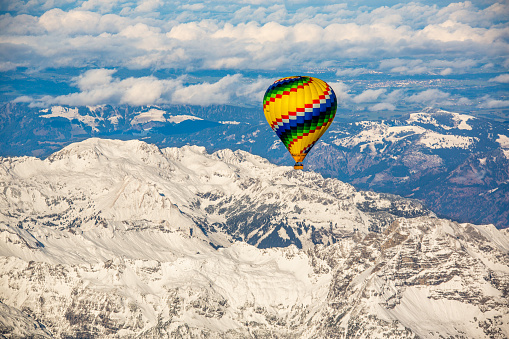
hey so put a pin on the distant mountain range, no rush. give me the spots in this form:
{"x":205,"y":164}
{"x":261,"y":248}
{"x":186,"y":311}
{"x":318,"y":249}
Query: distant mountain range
{"x":456,"y":164}
{"x":122,"y":239}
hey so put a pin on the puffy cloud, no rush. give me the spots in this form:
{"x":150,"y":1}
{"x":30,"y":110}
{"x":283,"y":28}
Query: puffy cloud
{"x":468,"y":13}
{"x":192,"y":31}
{"x":382,"y":106}
{"x":433,"y":66}
{"x":8,"y":66}
{"x":464,"y":101}
{"x":59,"y":21}
{"x":395,"y":96}
{"x":407,"y":39}
{"x":148,"y":5}
{"x":94,"y":78}
{"x":348,"y":72}
{"x":261,"y":2}
{"x":252,"y":32}
{"x":20,"y":25}
{"x":368,"y":95}
{"x":342,"y":91}
{"x":322,"y":35}
{"x":446,"y":71}
{"x":254,"y":90}
{"x":100,"y":86}
{"x":143,"y":91}
{"x":103,"y":6}
{"x":488,"y":102}
{"x":207,"y":93}
{"x":502,"y":78}
{"x":261,"y":15}
{"x":194,"y":7}
{"x":74,"y":22}
{"x":429,"y":96}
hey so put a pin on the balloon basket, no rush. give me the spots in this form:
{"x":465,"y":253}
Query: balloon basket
{"x":298,"y":166}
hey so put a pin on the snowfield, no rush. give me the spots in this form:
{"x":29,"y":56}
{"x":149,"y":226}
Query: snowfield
{"x":382,"y":134}
{"x":109,"y":238}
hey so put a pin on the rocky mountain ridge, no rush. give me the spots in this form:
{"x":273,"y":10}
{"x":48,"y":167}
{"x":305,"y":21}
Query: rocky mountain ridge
{"x":122,"y":239}
{"x":456,"y":164}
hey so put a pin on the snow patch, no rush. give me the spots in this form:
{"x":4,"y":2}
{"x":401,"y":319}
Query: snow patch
{"x":436,"y":140}
{"x":282,"y":234}
{"x":503,"y":140}
{"x":151,"y":115}
{"x":460,"y":120}
{"x":229,"y":122}
{"x":177,"y":119}
{"x":70,"y":114}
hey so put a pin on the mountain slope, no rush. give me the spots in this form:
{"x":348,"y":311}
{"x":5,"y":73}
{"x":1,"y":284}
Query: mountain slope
{"x":114,"y":239}
{"x":456,"y":164}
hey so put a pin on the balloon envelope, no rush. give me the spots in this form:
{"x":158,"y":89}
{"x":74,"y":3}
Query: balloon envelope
{"x":299,"y":109}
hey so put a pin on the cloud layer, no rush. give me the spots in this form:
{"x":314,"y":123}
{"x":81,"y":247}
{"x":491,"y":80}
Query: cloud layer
{"x":101,"y":86}
{"x":406,"y":39}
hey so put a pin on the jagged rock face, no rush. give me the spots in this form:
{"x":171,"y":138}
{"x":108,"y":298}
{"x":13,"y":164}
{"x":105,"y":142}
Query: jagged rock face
{"x":223,"y":196}
{"x":417,"y":273}
{"x":122,"y":239}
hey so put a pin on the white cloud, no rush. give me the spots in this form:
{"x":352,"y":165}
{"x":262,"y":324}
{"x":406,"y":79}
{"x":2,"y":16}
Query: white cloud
{"x":404,"y":39}
{"x":192,"y":31}
{"x":383,"y":106}
{"x":341,"y":90}
{"x":148,"y":5}
{"x":368,"y":95}
{"x":351,"y":71}
{"x":207,"y":93}
{"x":103,"y":6}
{"x":254,"y":91}
{"x":99,"y":86}
{"x":20,"y":25}
{"x":143,"y":91}
{"x":433,"y":66}
{"x":261,"y":2}
{"x":429,"y":96}
{"x":452,"y":31}
{"x":253,"y":37}
{"x":94,"y":78}
{"x":489,"y":102}
{"x":502,"y":78}
{"x":8,"y":66}
{"x":446,"y":71}
{"x":59,"y":21}
{"x":395,"y":96}
{"x":252,"y":32}
{"x":464,"y":101}
{"x":194,"y":7}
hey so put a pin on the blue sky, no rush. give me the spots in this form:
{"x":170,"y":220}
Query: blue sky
{"x":151,"y":52}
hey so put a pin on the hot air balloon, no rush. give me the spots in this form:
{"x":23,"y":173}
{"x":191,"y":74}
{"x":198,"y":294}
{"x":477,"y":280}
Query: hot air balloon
{"x":299,"y":109}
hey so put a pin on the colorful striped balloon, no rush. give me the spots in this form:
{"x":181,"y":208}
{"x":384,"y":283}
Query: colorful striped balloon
{"x":299,"y":109}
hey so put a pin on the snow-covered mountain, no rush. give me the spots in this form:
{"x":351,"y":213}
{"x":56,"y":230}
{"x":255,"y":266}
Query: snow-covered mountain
{"x":109,"y":238}
{"x":456,"y":164}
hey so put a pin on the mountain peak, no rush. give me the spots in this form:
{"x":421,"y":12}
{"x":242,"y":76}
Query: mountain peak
{"x":161,"y":242}
{"x":95,"y":148}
